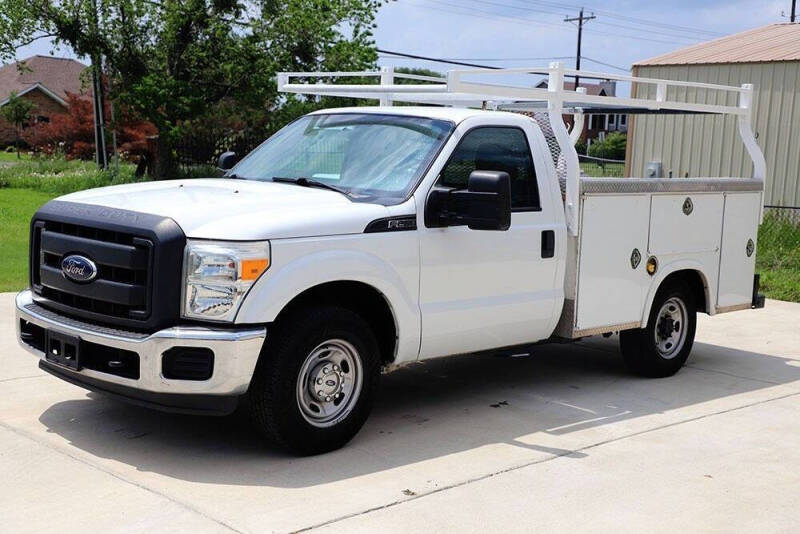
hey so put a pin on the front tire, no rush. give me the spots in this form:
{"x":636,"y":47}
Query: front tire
{"x":662,"y":347}
{"x":316,"y":380}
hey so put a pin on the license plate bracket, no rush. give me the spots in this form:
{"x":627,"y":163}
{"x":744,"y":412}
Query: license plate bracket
{"x":63,"y":349}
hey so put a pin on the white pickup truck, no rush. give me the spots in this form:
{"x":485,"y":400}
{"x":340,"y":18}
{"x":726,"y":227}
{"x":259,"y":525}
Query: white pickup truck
{"x":361,"y":239}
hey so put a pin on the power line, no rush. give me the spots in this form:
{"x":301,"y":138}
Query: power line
{"x":637,"y":20}
{"x":655,"y":24}
{"x":386,"y":53}
{"x":437,"y":60}
{"x":606,"y":64}
{"x":548,"y":58}
{"x":512,"y":6}
{"x":527,"y":22}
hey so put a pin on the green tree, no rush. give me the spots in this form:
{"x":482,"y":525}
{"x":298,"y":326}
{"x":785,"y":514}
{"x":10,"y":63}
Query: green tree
{"x":171,"y":61}
{"x":417,"y":72}
{"x":16,"y":111}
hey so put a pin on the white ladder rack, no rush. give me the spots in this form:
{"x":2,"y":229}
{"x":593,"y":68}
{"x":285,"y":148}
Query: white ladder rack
{"x":470,"y":88}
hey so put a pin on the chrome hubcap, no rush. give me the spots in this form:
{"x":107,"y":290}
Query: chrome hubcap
{"x":329,"y":382}
{"x":670,"y":331}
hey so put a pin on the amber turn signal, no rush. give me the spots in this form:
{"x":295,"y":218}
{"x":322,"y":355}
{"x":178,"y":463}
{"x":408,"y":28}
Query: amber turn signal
{"x":652,"y":265}
{"x":252,"y":269}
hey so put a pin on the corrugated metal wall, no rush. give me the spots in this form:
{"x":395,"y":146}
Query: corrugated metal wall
{"x":709,"y":146}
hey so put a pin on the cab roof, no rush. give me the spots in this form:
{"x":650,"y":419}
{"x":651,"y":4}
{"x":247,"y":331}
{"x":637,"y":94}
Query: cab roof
{"x":453,"y":114}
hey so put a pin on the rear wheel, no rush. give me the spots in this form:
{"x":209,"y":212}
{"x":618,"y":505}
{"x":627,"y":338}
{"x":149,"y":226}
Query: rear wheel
{"x":315,"y":383}
{"x":662,"y":347}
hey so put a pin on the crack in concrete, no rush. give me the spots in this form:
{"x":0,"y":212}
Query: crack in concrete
{"x":117,"y":476}
{"x":543,"y":460}
{"x":22,"y":378}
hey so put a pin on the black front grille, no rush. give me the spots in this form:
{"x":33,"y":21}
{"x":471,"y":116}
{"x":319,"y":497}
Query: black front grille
{"x":138,"y":257}
{"x":123,"y":284}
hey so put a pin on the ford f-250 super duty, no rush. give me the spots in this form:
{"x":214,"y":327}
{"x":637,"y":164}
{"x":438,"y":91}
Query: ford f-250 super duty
{"x":364,"y":238}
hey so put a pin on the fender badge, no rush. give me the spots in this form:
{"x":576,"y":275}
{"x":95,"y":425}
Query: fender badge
{"x":688,"y":206}
{"x":636,"y":258}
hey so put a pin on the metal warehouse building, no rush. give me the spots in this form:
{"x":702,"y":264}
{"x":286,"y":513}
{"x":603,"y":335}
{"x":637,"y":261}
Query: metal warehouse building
{"x":706,"y":146}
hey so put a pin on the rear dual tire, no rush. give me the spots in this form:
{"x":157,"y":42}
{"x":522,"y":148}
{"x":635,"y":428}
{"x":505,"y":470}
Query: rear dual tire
{"x":663,"y":346}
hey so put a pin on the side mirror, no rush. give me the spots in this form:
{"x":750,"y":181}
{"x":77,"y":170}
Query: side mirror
{"x":227,"y":160}
{"x":484,"y":205}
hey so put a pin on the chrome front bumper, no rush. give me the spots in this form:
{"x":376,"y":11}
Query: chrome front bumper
{"x":236,"y":352}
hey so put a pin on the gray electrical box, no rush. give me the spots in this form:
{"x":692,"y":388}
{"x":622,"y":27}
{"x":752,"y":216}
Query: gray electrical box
{"x":653,"y":169}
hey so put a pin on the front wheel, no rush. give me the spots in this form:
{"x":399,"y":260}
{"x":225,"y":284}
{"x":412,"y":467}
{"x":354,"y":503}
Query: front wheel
{"x":315,"y":383}
{"x":662,"y":347}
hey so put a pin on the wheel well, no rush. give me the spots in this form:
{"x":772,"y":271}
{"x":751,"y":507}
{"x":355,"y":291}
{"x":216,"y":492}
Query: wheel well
{"x":696,"y":284}
{"x":359,"y":297}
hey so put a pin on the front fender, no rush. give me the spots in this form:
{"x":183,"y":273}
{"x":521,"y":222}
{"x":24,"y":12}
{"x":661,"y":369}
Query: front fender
{"x":301,"y":266}
{"x":672,"y":267}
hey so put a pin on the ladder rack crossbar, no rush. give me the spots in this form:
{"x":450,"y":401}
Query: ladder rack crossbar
{"x":456,"y":90}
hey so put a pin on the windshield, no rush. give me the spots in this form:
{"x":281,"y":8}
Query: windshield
{"x":374,"y":158}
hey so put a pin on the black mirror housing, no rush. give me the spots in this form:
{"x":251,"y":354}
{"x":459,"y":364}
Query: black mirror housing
{"x":227,"y":160}
{"x":484,"y":205}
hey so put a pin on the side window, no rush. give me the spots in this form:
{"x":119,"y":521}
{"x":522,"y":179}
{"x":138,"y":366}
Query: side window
{"x":495,"y":149}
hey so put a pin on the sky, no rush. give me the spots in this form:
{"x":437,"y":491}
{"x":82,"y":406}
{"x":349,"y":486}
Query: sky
{"x":532,"y":32}
{"x":625,"y":31}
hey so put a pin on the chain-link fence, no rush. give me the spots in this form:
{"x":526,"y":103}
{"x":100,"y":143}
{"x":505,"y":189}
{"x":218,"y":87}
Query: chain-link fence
{"x":781,"y":227}
{"x":601,"y":167}
{"x":778,"y":257}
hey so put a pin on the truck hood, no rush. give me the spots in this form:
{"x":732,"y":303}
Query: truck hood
{"x":239,"y":209}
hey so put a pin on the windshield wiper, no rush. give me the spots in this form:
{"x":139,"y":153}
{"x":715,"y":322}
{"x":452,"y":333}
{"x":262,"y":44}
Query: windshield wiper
{"x":310,"y":182}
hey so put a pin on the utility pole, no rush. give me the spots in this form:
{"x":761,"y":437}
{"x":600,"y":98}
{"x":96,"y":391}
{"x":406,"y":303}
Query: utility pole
{"x":101,"y":156}
{"x":794,"y":11}
{"x":580,"y":19}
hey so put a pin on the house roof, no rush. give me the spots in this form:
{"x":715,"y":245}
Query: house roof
{"x":596,"y":89}
{"x":54,"y":76}
{"x":775,"y":42}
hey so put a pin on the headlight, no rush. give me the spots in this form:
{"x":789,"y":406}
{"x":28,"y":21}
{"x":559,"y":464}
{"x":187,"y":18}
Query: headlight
{"x":218,"y":274}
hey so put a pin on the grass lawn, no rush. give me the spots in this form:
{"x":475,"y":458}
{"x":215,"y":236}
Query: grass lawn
{"x":778,"y":256}
{"x":59,"y":176}
{"x":11,"y":157}
{"x":16,"y":208}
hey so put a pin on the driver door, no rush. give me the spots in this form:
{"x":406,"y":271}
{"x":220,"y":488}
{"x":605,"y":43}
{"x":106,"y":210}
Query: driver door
{"x":488,"y":289}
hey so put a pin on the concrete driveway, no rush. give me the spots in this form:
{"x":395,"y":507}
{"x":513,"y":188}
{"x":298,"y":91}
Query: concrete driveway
{"x":565,"y":439}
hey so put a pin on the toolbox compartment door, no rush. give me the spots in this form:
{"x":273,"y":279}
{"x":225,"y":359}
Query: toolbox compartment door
{"x":611,"y":290}
{"x":740,"y":224}
{"x":685,"y":223}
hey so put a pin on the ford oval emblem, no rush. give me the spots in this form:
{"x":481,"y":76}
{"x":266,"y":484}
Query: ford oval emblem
{"x":78,"y":268}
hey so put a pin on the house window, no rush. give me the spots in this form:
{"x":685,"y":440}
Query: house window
{"x":623,"y":120}
{"x":612,"y":120}
{"x":598,"y":122}
{"x":41,"y":119}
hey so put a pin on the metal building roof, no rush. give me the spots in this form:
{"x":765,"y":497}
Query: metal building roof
{"x":775,"y":42}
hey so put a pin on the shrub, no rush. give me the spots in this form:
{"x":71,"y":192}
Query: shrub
{"x":613,"y":147}
{"x":72,"y":133}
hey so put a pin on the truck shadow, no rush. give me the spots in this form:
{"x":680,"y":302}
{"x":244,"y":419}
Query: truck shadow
{"x":424,"y":412}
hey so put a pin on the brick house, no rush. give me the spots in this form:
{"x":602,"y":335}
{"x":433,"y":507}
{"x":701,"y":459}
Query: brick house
{"x":596,"y":126}
{"x":43,"y":80}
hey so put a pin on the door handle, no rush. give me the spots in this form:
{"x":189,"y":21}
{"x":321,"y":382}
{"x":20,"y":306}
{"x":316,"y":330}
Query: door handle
{"x":548,"y":243}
